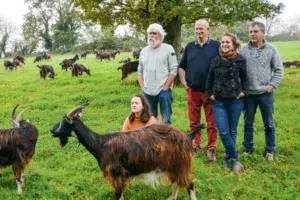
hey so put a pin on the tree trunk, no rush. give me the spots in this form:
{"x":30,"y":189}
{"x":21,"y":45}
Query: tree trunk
{"x":173,"y":37}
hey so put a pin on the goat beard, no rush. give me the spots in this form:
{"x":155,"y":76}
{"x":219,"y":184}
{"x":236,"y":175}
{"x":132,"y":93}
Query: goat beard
{"x":153,"y":42}
{"x":63,"y":140}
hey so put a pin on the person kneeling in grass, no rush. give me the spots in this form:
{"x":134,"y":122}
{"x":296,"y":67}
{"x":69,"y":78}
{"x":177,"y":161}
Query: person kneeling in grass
{"x":140,"y":114}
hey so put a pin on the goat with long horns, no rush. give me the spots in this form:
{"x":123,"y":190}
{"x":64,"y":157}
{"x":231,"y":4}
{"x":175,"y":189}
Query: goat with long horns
{"x":158,"y":149}
{"x":17,"y":146}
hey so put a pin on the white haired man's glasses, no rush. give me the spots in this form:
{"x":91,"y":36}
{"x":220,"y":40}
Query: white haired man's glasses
{"x":152,"y":33}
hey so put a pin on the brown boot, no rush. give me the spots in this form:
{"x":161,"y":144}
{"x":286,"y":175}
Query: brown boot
{"x":211,"y":154}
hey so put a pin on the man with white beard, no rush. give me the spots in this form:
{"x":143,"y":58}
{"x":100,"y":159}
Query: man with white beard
{"x":156,"y":72}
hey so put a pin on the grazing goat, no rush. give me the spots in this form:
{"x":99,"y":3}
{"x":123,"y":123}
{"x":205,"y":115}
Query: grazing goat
{"x":136,"y":54}
{"x":11,"y":65}
{"x":78,"y":69}
{"x":38,"y":58}
{"x":8,"y":65}
{"x":17,"y":146}
{"x":125,"y":61}
{"x":47,"y":56}
{"x":128,"y":68}
{"x":17,"y":63}
{"x":46,"y":70}
{"x":113,"y":54}
{"x":84,"y":54}
{"x":68,"y":62}
{"x":103,"y":56}
{"x":158,"y":148}
{"x":20,"y":58}
{"x":292,"y":63}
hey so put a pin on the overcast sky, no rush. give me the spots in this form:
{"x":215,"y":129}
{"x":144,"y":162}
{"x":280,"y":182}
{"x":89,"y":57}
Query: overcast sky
{"x":15,"y":9}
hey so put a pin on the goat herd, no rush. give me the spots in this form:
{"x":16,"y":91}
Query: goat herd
{"x":127,"y":68}
{"x":156,"y":150}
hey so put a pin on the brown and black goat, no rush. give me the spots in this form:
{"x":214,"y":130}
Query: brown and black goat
{"x":46,"y":70}
{"x":125,"y":61}
{"x":78,"y":69}
{"x":20,"y":58}
{"x":291,"y":63}
{"x":84,"y":54}
{"x":68,"y":62}
{"x":158,"y":149}
{"x":102,"y":56}
{"x":8,"y":65}
{"x":47,"y":56}
{"x":128,"y":68}
{"x":17,"y":146}
{"x":136,"y":54}
{"x":38,"y":58}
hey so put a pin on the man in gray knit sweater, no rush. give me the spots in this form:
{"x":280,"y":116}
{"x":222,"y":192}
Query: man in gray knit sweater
{"x":264,"y":70}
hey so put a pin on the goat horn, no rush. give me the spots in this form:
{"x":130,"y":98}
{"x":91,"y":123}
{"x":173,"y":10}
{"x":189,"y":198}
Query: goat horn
{"x":20,"y":115}
{"x":74,"y":110}
{"x":14,"y":123}
{"x":13,"y":112}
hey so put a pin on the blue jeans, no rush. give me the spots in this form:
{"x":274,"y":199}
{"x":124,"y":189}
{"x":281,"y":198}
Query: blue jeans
{"x":165,"y":99}
{"x":227,"y":114}
{"x":265,"y":102}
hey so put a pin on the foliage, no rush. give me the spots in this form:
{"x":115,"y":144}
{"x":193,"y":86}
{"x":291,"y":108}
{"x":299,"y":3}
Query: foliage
{"x":171,"y":14}
{"x":66,"y":26}
{"x":73,"y":173}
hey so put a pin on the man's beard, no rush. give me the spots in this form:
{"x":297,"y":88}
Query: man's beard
{"x":153,"y":42}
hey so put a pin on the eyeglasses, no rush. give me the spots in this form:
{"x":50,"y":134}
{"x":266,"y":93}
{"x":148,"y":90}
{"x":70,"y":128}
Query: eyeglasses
{"x":152,"y":33}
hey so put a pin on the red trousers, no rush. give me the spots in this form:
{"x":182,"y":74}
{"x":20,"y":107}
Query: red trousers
{"x":195,"y":100}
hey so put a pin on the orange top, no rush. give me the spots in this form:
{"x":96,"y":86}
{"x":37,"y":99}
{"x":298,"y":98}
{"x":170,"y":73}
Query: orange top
{"x":127,"y":126}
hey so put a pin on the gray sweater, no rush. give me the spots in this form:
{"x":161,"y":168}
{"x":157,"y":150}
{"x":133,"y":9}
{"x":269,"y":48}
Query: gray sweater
{"x":263,"y":69}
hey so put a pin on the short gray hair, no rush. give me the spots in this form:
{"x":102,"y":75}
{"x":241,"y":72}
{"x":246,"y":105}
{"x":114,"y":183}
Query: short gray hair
{"x":157,"y":28}
{"x":202,"y":21}
{"x":260,"y":25}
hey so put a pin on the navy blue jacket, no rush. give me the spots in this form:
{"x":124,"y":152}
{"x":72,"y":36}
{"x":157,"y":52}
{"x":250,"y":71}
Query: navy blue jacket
{"x":196,"y":62}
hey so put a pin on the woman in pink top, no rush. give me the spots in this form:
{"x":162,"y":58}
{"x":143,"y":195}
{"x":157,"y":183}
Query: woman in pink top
{"x":140,"y":114}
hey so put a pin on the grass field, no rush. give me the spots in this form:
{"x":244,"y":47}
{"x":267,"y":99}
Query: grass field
{"x":72,"y":173}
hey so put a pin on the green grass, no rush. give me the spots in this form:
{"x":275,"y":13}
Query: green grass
{"x":72,"y":173}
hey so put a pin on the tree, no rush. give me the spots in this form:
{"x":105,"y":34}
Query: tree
{"x":172,"y":14}
{"x":31,"y":33}
{"x":37,"y":22}
{"x":6,"y":29}
{"x":65,"y":29}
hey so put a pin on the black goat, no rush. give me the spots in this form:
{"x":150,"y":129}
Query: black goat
{"x":158,"y":148}
{"x":17,"y":146}
{"x":46,"y":70}
{"x":68,"y":62}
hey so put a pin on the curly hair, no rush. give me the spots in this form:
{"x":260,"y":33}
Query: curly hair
{"x":146,"y":111}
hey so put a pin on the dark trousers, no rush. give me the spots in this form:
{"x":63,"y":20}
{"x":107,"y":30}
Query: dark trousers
{"x":265,"y":102}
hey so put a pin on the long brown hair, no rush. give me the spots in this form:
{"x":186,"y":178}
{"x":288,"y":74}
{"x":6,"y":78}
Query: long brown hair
{"x":146,"y":111}
{"x":231,"y":55}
